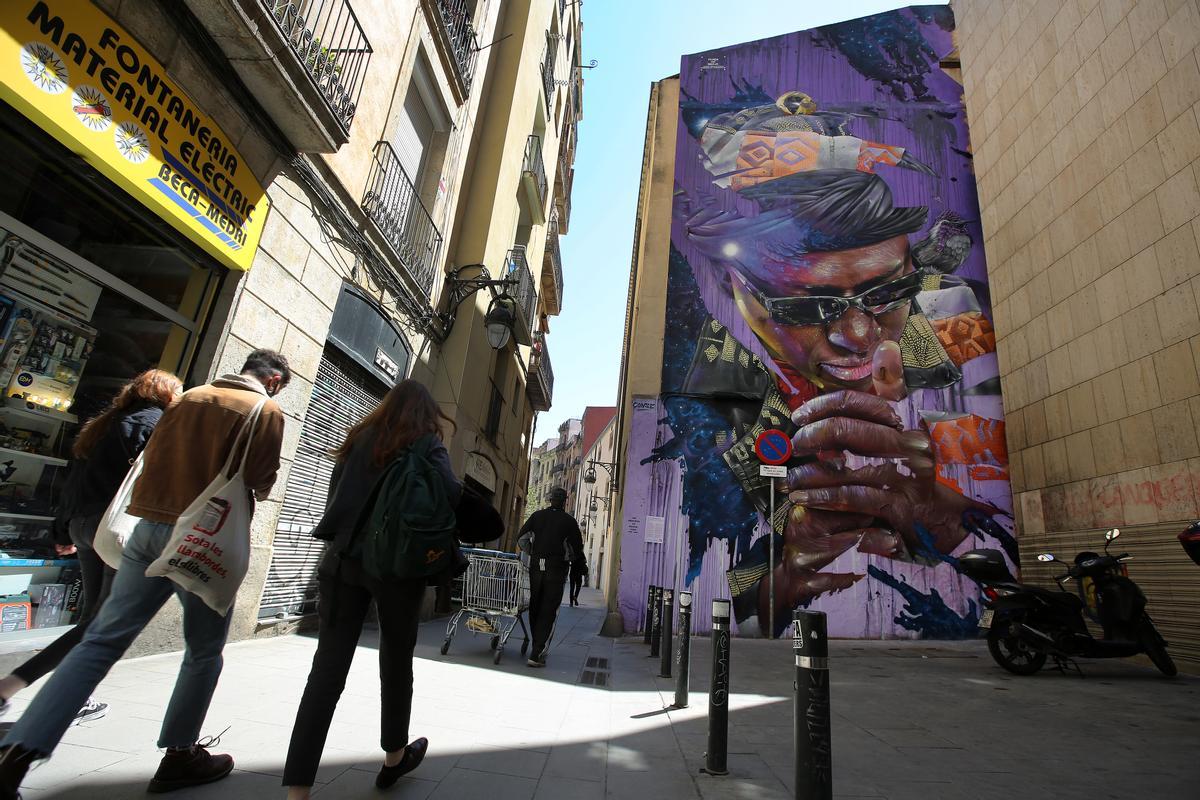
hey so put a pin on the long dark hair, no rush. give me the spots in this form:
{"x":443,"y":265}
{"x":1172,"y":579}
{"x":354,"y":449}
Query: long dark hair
{"x":153,"y":387}
{"x":407,"y":413}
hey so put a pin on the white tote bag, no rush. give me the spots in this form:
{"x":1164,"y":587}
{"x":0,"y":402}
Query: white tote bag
{"x":116,"y":526}
{"x":209,"y":551}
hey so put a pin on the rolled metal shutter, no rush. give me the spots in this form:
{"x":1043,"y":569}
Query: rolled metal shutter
{"x":342,"y":395}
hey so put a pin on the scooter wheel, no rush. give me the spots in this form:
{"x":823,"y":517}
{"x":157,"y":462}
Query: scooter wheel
{"x":445,"y":647}
{"x":1014,"y":655}
{"x":1156,"y":649}
{"x":496,"y":658}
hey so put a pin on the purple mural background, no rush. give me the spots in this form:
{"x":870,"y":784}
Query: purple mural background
{"x":877,"y":79}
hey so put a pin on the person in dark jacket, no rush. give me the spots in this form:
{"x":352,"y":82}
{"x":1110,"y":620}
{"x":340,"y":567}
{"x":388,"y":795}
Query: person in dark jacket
{"x":103,"y":452}
{"x":579,"y":571}
{"x":547,"y":536}
{"x":407,"y":414}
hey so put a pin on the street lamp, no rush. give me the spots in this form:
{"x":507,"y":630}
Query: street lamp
{"x":589,"y":475}
{"x":499,"y":321}
{"x":501,"y":315}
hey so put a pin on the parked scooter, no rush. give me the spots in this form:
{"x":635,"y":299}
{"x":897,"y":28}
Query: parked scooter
{"x":1027,"y":624}
{"x":1190,"y":539}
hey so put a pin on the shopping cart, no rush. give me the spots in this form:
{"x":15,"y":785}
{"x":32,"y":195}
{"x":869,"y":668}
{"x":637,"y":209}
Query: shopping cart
{"x":495,"y":592}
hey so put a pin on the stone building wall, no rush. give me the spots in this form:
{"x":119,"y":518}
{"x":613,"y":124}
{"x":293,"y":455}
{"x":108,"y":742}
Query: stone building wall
{"x":1084,"y":128}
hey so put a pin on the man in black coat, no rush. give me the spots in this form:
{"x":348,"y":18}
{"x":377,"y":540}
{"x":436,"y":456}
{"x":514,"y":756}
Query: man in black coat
{"x":547,"y":536}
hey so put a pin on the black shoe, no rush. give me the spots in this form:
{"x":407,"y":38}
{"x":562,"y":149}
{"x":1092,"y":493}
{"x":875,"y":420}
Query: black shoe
{"x":414,"y":754}
{"x":180,"y":769}
{"x":14,"y":763}
{"x":92,"y":709}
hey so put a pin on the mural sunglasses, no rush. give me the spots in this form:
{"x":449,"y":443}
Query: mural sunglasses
{"x":821,"y":310}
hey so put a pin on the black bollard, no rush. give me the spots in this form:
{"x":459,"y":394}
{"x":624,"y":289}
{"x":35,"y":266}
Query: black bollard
{"x":668,"y":621}
{"x":813,"y":749}
{"x":716,"y":759}
{"x":649,"y":623}
{"x":683,"y":661}
{"x":656,"y":616}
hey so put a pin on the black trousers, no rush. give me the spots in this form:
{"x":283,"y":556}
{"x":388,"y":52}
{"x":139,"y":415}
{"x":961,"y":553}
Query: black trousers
{"x":345,"y":598}
{"x":576,"y":585}
{"x":97,"y":581}
{"x":545,"y":596}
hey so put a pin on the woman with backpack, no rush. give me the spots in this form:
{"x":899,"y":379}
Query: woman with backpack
{"x":407,"y":422}
{"x":104,"y":450}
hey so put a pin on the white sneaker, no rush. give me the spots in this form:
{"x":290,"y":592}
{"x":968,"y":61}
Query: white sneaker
{"x":92,"y":709}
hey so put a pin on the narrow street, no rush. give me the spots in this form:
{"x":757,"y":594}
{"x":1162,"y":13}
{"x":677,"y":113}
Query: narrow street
{"x":911,"y":720}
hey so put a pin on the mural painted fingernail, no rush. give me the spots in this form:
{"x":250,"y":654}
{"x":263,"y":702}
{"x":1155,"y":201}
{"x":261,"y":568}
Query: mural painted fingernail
{"x":799,"y":497}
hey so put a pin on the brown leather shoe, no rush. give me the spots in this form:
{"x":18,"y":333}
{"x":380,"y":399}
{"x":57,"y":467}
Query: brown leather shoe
{"x":180,"y":769}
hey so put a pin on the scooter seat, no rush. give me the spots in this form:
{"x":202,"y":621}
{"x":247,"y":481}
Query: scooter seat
{"x":1056,"y":598}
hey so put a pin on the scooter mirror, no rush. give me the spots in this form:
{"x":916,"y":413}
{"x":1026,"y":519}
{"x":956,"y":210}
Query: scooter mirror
{"x":1114,"y":533}
{"x":1045,"y":557}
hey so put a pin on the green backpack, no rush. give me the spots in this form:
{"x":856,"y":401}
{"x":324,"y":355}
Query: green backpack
{"x":407,"y":528}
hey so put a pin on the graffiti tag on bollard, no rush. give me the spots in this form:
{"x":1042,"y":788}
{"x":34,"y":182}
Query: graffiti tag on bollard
{"x":684,"y":654}
{"x":716,"y":759}
{"x":813,"y":749}
{"x":668,"y":619}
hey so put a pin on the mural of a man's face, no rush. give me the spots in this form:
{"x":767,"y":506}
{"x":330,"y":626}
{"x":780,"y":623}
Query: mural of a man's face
{"x":836,"y":354}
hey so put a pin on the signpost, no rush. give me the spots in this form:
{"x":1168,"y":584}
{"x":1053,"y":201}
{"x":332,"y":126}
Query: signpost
{"x":774,"y":449}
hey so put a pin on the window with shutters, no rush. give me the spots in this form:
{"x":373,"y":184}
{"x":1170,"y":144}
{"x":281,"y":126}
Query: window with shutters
{"x":342,"y":395}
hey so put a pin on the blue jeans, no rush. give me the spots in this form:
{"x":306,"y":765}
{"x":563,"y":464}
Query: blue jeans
{"x":134,"y":601}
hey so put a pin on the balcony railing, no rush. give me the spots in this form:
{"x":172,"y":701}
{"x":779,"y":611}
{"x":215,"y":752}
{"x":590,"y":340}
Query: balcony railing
{"x":540,"y":383}
{"x":534,"y":170}
{"x":564,"y":203}
{"x":332,"y":48}
{"x":549,"y":59}
{"x":392,"y":203}
{"x":460,"y":33}
{"x":552,"y":275}
{"x":524,"y":292}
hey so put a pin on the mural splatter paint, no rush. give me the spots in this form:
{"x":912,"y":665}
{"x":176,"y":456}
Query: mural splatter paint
{"x":826,"y":278}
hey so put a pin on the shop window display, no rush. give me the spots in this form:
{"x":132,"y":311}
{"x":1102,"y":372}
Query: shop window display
{"x":93,"y":290}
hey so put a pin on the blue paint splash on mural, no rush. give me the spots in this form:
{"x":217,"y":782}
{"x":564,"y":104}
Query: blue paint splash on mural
{"x":889,"y":49}
{"x":928,"y":614}
{"x":716,"y":506}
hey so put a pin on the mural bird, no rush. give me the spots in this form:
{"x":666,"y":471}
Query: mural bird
{"x":947,"y":245}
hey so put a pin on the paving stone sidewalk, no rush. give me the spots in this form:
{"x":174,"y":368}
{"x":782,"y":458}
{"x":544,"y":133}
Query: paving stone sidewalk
{"x":911,"y":720}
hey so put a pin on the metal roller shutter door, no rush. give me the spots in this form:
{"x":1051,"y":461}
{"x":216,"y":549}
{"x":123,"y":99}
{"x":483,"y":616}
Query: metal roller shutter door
{"x":342,"y":395}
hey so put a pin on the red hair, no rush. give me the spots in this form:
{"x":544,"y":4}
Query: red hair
{"x":153,"y":387}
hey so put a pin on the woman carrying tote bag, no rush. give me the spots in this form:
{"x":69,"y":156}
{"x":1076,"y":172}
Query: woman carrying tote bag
{"x":103,"y":452}
{"x":407,"y":416}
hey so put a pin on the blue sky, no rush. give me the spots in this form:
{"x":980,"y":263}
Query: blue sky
{"x":635,"y":42}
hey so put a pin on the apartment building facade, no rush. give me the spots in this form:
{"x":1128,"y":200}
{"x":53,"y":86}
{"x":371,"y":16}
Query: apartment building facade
{"x":204,"y":178}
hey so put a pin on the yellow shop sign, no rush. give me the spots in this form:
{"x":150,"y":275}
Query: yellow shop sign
{"x":77,"y":74}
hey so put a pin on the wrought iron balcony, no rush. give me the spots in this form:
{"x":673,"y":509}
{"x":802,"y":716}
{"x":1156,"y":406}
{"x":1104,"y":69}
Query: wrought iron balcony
{"x":533,"y":175}
{"x":524,"y":293}
{"x":392,"y":203}
{"x":460,"y":40}
{"x":549,"y":60}
{"x":332,"y":49}
{"x":540,"y":380}
{"x":552,"y":276}
{"x":563,"y":203}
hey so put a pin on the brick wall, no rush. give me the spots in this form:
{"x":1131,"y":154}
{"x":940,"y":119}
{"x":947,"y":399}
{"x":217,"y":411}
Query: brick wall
{"x":1084,"y":127}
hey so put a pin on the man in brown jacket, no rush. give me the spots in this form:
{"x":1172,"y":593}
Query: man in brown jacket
{"x":186,"y":452}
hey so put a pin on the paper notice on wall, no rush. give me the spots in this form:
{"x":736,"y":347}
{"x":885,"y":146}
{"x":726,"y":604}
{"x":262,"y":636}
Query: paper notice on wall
{"x":654,"y":529}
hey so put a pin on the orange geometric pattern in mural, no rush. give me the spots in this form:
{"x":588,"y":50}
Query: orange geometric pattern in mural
{"x":965,"y":336}
{"x":764,"y":156}
{"x":972,"y":440}
{"x":871,"y":154}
